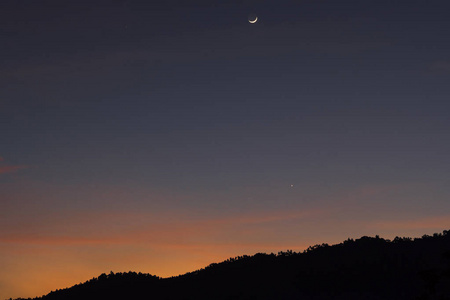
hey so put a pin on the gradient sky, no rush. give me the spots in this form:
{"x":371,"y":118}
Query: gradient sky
{"x":160,"y":136}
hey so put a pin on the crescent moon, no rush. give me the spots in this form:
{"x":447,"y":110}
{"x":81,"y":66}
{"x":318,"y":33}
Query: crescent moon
{"x":253,"y":21}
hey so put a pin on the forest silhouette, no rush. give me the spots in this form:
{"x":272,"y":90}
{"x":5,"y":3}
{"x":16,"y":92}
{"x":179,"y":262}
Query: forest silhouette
{"x":365,"y":268}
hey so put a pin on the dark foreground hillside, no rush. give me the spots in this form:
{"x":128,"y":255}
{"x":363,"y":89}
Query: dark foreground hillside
{"x":367,"y":268}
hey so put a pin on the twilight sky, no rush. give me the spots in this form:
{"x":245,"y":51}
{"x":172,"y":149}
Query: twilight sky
{"x":160,"y":136}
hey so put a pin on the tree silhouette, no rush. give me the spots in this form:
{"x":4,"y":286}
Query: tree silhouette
{"x":366,"y":268}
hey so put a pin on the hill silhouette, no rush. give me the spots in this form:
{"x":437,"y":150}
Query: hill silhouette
{"x":366,"y":268}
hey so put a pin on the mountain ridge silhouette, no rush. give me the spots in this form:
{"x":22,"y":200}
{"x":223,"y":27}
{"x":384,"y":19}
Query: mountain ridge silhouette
{"x":365,"y":268}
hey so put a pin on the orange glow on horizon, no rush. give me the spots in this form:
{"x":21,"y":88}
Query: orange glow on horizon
{"x":59,"y":250}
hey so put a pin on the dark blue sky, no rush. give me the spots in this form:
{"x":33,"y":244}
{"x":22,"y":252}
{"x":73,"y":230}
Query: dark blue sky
{"x":185,"y":109}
